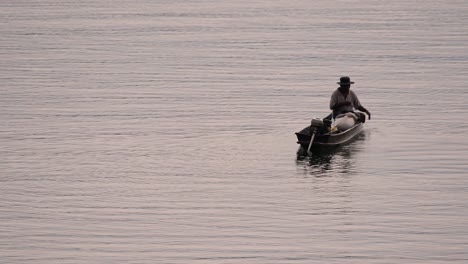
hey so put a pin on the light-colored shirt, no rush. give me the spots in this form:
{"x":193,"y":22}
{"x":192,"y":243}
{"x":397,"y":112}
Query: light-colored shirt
{"x":338,"y":97}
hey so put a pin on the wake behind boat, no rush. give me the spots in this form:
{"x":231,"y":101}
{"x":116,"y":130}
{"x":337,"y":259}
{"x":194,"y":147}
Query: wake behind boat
{"x":325,"y":133}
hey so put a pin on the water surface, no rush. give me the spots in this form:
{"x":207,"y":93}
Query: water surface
{"x":163,"y":132}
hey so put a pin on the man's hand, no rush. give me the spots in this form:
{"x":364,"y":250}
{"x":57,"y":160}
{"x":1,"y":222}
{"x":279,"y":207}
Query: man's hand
{"x":368,"y":114}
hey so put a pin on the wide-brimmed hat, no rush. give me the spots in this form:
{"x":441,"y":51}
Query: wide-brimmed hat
{"x":345,"y":80}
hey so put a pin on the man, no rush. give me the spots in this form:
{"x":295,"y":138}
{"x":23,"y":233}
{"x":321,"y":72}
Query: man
{"x":344,"y":100}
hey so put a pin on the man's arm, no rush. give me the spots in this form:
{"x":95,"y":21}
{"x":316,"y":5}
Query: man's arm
{"x":361,"y":108}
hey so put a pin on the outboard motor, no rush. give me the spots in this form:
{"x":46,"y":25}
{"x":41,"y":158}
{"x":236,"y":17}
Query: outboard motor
{"x":315,"y":125}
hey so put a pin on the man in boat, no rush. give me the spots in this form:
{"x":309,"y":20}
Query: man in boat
{"x":344,"y":100}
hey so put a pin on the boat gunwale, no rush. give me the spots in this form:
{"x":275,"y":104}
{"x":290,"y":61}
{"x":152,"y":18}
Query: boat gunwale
{"x":358,"y":127}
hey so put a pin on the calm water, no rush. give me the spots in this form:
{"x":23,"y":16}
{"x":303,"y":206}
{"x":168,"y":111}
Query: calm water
{"x":163,"y":132}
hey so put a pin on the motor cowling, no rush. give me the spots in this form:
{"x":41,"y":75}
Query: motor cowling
{"x":316,"y":123}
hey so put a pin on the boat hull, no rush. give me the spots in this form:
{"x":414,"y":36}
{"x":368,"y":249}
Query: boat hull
{"x":328,"y":139}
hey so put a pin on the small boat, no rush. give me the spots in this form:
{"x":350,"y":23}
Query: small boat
{"x":324,"y":134}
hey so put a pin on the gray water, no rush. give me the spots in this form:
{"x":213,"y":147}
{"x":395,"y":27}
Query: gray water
{"x":163,"y":132}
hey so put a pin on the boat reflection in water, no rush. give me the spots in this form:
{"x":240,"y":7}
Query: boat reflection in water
{"x":332,"y":160}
